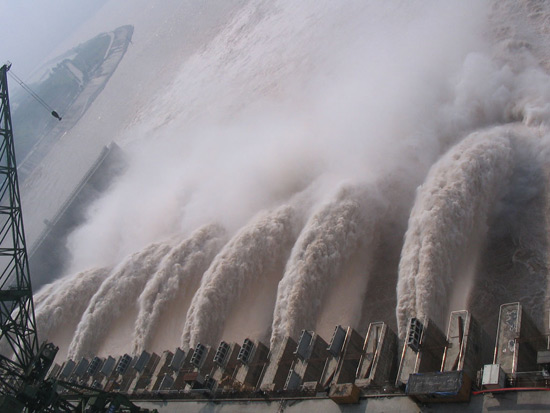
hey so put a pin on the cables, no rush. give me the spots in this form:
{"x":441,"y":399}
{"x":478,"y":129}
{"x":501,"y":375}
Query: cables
{"x":505,"y":389}
{"x":35,"y":96}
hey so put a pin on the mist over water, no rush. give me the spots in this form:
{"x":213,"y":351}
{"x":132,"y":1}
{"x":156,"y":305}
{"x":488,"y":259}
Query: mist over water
{"x":286,"y":153}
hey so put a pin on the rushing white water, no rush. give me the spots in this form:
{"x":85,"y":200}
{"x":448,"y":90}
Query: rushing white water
{"x":288,"y":94}
{"x":61,"y":304}
{"x":118,"y":292}
{"x":331,"y":236}
{"x":459,"y":193}
{"x":179,"y":273}
{"x":259,"y":248}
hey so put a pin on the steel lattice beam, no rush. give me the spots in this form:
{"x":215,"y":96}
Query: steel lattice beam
{"x":18,"y":339}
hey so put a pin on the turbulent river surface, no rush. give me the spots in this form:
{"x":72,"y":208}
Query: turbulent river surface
{"x":313,"y":163}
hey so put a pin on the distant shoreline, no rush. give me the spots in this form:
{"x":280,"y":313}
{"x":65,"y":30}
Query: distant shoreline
{"x":91,"y":88}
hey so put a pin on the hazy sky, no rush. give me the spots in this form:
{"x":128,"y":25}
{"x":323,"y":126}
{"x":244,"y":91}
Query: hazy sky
{"x":31,"y":29}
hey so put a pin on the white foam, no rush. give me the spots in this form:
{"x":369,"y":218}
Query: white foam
{"x":118,"y":292}
{"x":450,"y":206}
{"x":179,"y":271}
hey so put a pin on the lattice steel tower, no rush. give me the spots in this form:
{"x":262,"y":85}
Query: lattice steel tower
{"x":18,"y":340}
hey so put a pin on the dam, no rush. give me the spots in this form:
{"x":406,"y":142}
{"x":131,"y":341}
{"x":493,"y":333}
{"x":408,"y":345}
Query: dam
{"x":462,"y":370}
{"x":353,"y":199}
